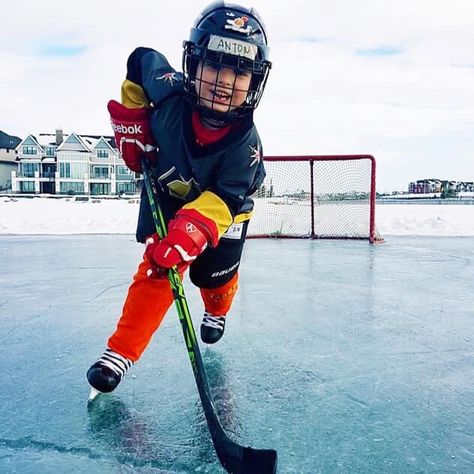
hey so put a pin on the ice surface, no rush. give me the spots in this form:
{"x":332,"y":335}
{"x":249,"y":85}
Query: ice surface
{"x":343,"y":356}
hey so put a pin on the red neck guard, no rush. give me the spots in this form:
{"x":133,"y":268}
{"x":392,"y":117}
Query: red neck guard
{"x":206,"y":136}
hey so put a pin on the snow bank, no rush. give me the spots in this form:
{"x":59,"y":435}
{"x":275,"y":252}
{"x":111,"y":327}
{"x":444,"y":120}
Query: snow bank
{"x":67,"y":216}
{"x":119,"y":216}
{"x":431,"y":220}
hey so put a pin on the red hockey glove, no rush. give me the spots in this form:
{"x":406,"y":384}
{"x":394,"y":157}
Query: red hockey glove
{"x":184,"y":242}
{"x":132,"y":134}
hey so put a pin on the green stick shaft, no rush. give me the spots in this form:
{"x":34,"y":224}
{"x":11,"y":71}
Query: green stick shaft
{"x":176,"y":285}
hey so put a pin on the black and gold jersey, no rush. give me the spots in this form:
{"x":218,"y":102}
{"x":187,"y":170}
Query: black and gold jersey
{"x":215,"y":181}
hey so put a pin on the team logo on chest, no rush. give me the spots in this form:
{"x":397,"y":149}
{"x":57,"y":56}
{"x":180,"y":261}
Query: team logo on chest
{"x":179,"y":188}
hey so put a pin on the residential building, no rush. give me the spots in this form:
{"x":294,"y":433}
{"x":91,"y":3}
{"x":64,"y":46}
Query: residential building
{"x":71,"y":164}
{"x":428,"y":186}
{"x":8,"y":144}
{"x":425,"y":186}
{"x":464,"y":186}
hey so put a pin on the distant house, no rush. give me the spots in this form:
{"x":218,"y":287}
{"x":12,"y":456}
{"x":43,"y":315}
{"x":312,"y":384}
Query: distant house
{"x":465,"y":187}
{"x":8,"y":143}
{"x":450,"y":186}
{"x":71,"y":164}
{"x":445,"y":187}
{"x":425,"y":186}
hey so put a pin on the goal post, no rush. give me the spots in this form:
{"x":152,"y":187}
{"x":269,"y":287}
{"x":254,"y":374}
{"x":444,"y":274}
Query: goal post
{"x":317,"y":197}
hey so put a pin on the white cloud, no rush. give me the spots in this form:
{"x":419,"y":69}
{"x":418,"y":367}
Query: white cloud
{"x":322,"y":96}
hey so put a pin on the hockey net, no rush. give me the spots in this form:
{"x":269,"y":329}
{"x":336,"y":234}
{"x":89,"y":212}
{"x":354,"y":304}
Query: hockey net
{"x":318,"y":197}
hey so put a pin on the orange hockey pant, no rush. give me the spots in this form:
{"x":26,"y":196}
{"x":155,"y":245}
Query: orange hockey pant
{"x":146,"y":305}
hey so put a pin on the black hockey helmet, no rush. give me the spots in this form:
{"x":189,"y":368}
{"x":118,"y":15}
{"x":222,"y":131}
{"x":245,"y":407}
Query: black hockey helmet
{"x":231,"y":36}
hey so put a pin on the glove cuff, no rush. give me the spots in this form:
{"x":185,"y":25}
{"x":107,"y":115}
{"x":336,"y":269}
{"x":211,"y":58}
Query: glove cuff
{"x":122,"y":113}
{"x":191,"y":231}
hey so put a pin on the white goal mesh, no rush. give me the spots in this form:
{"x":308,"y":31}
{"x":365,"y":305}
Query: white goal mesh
{"x":316,"y":197}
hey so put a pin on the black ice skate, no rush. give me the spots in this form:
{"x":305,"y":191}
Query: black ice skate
{"x":107,"y":372}
{"x":212,"y":328}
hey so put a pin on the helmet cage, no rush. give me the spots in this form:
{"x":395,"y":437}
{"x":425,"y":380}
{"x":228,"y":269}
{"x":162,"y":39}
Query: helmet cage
{"x":193,"y":55}
{"x":226,"y":36}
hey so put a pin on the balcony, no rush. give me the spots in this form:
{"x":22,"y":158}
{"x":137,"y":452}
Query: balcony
{"x":100,"y":176}
{"x":26,"y":174}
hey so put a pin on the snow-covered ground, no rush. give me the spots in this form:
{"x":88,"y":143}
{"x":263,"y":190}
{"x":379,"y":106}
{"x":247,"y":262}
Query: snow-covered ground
{"x":428,"y":220}
{"x":67,"y":216}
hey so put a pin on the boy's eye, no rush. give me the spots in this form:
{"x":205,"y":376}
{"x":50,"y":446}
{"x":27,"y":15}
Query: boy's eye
{"x":212,"y":66}
{"x":243,"y":73}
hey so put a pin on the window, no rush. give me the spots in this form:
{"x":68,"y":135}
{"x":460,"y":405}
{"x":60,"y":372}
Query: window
{"x":27,"y":187}
{"x":65,"y":170}
{"x":102,"y":153}
{"x":71,"y":188}
{"x":50,"y":151}
{"x":99,"y":189}
{"x":28,"y":169}
{"x":123,"y":170}
{"x":126,"y":188}
{"x":101,"y":172}
{"x":30,"y":150}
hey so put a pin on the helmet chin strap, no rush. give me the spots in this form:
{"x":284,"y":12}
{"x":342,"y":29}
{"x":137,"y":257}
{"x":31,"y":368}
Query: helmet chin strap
{"x":218,"y":120}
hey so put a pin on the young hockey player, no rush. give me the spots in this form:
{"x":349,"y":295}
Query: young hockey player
{"x":196,"y":130}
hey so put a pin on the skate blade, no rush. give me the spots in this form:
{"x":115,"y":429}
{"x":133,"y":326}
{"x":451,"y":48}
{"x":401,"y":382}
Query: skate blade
{"x":92,"y":395}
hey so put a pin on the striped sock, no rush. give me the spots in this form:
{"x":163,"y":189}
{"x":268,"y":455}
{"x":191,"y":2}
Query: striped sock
{"x":115,"y":362}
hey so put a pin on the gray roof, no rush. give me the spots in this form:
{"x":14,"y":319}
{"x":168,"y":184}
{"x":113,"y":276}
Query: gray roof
{"x":8,"y":141}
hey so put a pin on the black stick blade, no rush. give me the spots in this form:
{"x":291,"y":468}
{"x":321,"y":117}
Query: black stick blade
{"x":237,"y":459}
{"x":261,"y":461}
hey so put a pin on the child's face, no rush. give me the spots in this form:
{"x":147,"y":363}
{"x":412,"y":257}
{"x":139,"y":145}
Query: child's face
{"x":221,"y":89}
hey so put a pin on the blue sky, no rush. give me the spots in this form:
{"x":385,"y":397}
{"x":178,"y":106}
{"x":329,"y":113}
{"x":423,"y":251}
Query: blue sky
{"x":392,"y":79}
{"x":380,"y":51}
{"x":57,"y":49}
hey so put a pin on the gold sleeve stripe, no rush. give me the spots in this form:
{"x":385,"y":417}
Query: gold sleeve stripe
{"x":210,"y":205}
{"x":133,"y":96}
{"x":242,"y":217}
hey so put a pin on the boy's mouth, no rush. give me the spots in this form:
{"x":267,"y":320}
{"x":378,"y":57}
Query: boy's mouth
{"x":220,"y":96}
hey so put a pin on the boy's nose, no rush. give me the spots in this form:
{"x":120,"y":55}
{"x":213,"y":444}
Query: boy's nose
{"x":225,"y":77}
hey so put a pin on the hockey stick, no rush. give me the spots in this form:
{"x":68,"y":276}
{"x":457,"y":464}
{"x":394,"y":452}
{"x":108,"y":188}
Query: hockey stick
{"x":233,"y":457}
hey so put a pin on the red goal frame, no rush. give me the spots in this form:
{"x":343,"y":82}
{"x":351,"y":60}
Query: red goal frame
{"x":372,"y":235}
